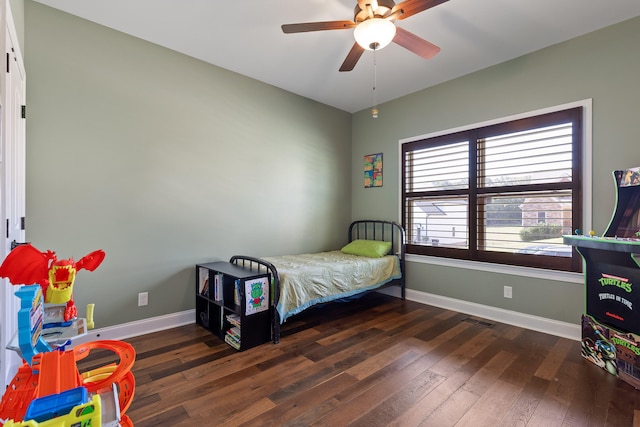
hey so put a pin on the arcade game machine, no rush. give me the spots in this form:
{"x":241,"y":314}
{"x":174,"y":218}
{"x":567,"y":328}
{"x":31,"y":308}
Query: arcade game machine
{"x":611,"y":323}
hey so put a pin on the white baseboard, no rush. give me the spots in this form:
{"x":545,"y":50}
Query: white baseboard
{"x":139,"y":327}
{"x":527,"y":321}
{"x":523,"y":320}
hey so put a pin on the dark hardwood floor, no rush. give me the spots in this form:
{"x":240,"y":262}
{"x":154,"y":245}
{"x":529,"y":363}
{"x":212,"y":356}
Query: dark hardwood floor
{"x":377,"y":361}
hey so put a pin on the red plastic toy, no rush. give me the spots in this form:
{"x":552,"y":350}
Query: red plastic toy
{"x":26,"y":265}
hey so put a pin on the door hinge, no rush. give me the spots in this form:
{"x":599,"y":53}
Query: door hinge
{"x":7,"y":231}
{"x":22,"y":223}
{"x":24,"y":111}
{"x":8,"y":67}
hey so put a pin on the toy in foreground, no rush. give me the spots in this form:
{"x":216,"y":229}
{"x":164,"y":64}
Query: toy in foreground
{"x":49,"y":390}
{"x":55,"y":393}
{"x":26,"y":265}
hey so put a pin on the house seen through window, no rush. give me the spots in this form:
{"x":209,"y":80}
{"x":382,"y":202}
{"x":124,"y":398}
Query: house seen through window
{"x":503,"y":193}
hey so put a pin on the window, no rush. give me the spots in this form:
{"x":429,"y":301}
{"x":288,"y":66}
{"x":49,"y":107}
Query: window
{"x":542,"y":217}
{"x":503,"y":193}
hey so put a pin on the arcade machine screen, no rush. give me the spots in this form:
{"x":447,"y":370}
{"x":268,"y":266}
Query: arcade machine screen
{"x":625,"y":222}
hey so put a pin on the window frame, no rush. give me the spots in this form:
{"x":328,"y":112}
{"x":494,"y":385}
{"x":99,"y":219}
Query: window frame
{"x":580,"y":114}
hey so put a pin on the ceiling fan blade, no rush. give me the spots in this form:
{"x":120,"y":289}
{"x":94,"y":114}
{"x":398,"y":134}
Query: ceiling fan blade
{"x":415,"y":44}
{"x":317,"y":26}
{"x":352,"y":57}
{"x":411,"y":7}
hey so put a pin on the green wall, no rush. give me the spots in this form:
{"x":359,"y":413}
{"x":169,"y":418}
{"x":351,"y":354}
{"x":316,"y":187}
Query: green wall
{"x":604,"y":66}
{"x":164,"y":161}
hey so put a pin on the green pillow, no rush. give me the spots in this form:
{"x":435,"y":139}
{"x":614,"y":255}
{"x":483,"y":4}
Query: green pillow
{"x":368,"y":248}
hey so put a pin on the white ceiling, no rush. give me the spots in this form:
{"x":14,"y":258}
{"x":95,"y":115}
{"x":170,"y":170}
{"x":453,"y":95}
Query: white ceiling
{"x":245,"y":36}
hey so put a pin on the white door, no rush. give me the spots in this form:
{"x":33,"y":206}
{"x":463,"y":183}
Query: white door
{"x":12,"y":187}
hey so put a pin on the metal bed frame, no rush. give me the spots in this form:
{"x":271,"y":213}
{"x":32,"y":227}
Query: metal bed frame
{"x":361,"y":229}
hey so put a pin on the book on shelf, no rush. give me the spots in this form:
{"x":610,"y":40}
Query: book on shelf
{"x":203,"y":284}
{"x":234,"y":332}
{"x":236,"y":292}
{"x":233,"y":337}
{"x":234,"y":319}
{"x":218,"y":279}
{"x":232,"y":342}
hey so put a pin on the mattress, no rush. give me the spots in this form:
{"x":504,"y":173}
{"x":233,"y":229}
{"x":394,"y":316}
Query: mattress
{"x":309,"y":279}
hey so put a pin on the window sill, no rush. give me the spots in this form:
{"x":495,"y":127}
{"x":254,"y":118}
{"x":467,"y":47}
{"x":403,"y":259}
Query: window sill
{"x":538,"y":273}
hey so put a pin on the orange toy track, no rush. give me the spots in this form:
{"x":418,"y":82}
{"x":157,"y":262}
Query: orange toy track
{"x":102,"y":378}
{"x":57,"y":371}
{"x":20,"y":392}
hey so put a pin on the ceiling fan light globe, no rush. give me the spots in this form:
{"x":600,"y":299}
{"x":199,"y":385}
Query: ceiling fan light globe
{"x":374,"y":33}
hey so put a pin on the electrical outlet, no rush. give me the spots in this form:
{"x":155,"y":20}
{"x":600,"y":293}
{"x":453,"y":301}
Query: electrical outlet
{"x":508,"y":292}
{"x":143,"y":299}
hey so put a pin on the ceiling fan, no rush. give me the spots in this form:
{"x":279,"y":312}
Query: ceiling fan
{"x":373,"y":21}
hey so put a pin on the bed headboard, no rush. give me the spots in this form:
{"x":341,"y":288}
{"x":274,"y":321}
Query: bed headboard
{"x":373,"y":229}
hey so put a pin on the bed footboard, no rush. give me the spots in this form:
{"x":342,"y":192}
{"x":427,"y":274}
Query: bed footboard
{"x":259,"y":264}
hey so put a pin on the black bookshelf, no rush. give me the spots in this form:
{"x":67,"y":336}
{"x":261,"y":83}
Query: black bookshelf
{"x":233,"y":302}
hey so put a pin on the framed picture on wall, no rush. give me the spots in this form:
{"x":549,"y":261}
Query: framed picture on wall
{"x":373,"y":170}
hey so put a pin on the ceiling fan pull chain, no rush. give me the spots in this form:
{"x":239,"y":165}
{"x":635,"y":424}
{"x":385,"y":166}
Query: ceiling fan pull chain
{"x":374,"y":110}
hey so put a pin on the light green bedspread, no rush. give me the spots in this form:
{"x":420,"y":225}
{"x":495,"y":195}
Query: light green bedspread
{"x":310,"y":279}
